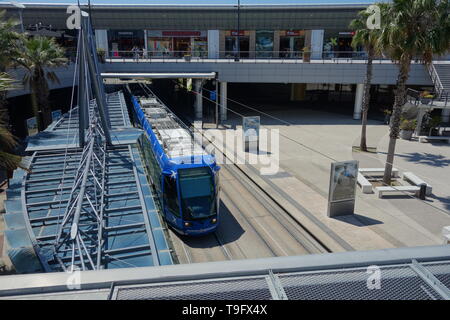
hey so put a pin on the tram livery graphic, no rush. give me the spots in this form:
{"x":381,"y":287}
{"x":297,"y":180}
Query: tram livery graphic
{"x":185,"y":177}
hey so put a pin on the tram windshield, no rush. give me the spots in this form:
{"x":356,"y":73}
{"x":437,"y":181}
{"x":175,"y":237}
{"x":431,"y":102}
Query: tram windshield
{"x":197,"y":192}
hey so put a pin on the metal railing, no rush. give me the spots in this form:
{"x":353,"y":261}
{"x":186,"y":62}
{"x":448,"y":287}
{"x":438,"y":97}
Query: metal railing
{"x":435,"y":80}
{"x":247,"y":56}
{"x":415,"y":97}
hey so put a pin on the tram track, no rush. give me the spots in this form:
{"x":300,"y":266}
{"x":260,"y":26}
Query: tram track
{"x":253,"y":224}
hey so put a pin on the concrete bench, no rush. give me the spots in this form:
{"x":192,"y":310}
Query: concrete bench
{"x":377,"y":171}
{"x":424,"y":139}
{"x":382,"y":190}
{"x":365,"y":185}
{"x":415,"y":180}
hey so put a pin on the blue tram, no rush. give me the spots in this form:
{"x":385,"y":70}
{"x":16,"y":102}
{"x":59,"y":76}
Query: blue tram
{"x":185,"y":177}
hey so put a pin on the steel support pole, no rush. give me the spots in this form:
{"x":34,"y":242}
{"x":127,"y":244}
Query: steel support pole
{"x":238,"y":46}
{"x":217,"y":103}
{"x":100,"y":99}
{"x":82,"y":116}
{"x":223,"y":101}
{"x":76,"y":217}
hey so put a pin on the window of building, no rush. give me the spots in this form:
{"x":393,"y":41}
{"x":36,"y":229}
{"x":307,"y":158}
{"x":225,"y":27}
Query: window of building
{"x":121,"y":43}
{"x":231,"y":46}
{"x":264,"y":43}
{"x":160,"y":46}
{"x":291,"y":43}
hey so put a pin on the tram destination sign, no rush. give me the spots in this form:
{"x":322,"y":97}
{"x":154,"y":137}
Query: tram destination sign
{"x":342,"y":190}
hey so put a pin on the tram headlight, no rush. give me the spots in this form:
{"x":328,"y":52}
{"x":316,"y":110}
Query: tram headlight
{"x":187,"y":224}
{"x":214,"y":220}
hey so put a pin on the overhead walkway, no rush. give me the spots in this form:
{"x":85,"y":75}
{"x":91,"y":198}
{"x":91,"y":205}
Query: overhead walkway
{"x":132,"y":232}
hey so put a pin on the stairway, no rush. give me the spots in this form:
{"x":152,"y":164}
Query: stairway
{"x":440,"y":75}
{"x":443,"y":71}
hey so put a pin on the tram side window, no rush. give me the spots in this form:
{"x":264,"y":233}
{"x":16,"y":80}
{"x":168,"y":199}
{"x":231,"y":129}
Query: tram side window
{"x":171,"y":195}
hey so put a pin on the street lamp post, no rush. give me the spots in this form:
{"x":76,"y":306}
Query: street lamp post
{"x":238,"y":44}
{"x":20,"y":7}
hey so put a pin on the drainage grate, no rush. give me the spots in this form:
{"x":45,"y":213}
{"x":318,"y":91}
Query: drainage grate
{"x":237,"y":289}
{"x":397,"y":283}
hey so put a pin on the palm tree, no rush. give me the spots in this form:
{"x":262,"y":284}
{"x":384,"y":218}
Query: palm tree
{"x":367,"y":38}
{"x":36,"y":56}
{"x":415,"y":29}
{"x":8,"y":160}
{"x":8,"y":40}
{"x":8,"y":50}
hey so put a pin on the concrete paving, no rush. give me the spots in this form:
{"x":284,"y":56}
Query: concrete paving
{"x":308,"y":147}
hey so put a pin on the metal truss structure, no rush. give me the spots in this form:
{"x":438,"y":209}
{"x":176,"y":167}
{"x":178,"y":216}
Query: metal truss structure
{"x":85,"y":202}
{"x":81,"y":228}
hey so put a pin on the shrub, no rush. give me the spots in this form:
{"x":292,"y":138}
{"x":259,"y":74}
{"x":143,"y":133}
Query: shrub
{"x":408,"y":125}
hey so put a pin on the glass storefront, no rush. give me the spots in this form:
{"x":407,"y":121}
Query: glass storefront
{"x":264,"y":43}
{"x":177,"y":43}
{"x":121,"y":43}
{"x":345,"y":44}
{"x":159,"y":46}
{"x":292,"y":43}
{"x":231,"y":49}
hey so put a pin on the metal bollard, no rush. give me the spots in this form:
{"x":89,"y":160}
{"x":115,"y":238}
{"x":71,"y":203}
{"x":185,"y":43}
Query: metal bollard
{"x":422,"y":192}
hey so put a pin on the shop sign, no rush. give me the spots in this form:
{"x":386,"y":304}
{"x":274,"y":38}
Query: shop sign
{"x":235,"y":33}
{"x":181,"y":33}
{"x":294,"y":33}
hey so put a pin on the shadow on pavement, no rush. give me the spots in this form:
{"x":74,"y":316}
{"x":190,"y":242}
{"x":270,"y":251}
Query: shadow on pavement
{"x":358,"y":220}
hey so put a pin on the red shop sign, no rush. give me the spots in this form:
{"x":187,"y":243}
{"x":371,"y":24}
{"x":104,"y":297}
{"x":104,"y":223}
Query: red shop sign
{"x":293,"y":33}
{"x":235,"y":33}
{"x":181,"y":33}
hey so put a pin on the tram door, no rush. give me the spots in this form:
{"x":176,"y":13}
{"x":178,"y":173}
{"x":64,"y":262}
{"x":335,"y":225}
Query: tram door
{"x":170,"y":196}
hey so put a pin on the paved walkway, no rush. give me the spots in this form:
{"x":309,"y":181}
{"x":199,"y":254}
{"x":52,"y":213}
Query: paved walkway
{"x":316,"y":139}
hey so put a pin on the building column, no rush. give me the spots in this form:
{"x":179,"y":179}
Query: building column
{"x":298,"y":91}
{"x":358,"y":101}
{"x":223,"y":101}
{"x":101,"y":40}
{"x":276,"y":44}
{"x":445,"y":115}
{"x":252,"y":44}
{"x":316,"y":44}
{"x":145,"y":55}
{"x":221,"y":44}
{"x":213,"y":44}
{"x":198,"y":99}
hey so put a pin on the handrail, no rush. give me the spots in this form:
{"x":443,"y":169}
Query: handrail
{"x":141,"y":55}
{"x":414,"y":97}
{"x":435,"y":79}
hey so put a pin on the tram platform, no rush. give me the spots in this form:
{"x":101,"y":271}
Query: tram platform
{"x":302,"y":181}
